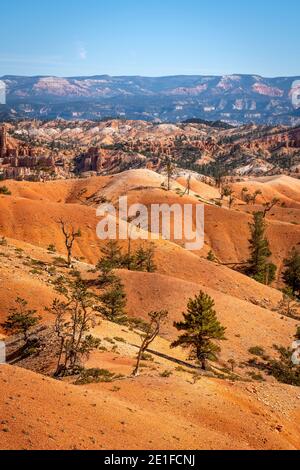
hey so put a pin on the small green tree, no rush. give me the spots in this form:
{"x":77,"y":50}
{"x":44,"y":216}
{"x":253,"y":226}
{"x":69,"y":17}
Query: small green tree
{"x":5,"y":191}
{"x":21,"y":319}
{"x":151,"y":332}
{"x":201,"y":328}
{"x":112,"y":259}
{"x":291,"y":275}
{"x":211,"y":256}
{"x":144,"y":260}
{"x":259,"y":267}
{"x":106,"y":274}
{"x":140,"y":259}
{"x":113,"y":302}
{"x":150,"y":266}
{"x":112,"y":255}
{"x":128,"y":258}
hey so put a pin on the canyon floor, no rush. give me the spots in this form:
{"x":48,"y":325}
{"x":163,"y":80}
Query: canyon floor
{"x":170,"y":405}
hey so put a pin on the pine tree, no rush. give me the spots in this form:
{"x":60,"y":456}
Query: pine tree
{"x":144,"y":260}
{"x":291,"y":274}
{"x":113,"y":257}
{"x":201,"y":326}
{"x":140,"y":259}
{"x":106,"y":273}
{"x":113,"y":302}
{"x":259,"y":268}
{"x":150,"y":265}
{"x":106,"y":277}
{"x":21,"y":319}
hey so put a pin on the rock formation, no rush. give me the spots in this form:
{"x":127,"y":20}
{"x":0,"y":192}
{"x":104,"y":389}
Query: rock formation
{"x":21,"y":161}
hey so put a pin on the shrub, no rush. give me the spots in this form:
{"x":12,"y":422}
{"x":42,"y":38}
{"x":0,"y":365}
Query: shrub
{"x":138,"y":323}
{"x":166,"y":374}
{"x":5,"y":191}
{"x":257,"y":377}
{"x":96,"y":376}
{"x":120,"y":340}
{"x":257,"y":351}
{"x":282,"y":369}
{"x":147,"y":357}
{"x":3,"y":241}
{"x":60,"y":261}
{"x":211,"y":256}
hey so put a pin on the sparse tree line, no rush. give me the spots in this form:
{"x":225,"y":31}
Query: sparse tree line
{"x":77,"y":310}
{"x":259,"y":266}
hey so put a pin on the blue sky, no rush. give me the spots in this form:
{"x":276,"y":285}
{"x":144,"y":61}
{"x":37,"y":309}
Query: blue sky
{"x":152,"y":38}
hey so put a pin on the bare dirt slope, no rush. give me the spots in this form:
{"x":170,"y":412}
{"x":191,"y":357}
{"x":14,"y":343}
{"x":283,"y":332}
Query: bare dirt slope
{"x":40,"y":413}
{"x":282,"y":187}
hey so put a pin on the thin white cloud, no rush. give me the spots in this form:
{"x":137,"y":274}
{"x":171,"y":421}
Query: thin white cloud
{"x":82,"y":52}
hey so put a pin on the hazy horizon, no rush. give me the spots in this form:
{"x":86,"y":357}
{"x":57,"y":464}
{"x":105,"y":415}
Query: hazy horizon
{"x":152,"y":76}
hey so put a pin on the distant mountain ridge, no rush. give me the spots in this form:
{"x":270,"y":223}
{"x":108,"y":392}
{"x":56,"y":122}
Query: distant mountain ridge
{"x":235,"y":99}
